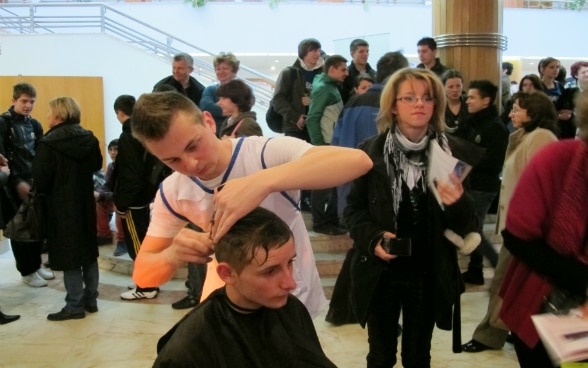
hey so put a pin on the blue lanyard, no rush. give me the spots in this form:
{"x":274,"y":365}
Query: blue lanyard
{"x":227,"y":172}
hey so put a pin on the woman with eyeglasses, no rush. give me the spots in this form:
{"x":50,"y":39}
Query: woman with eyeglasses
{"x":534,"y":118}
{"x":402,"y":261}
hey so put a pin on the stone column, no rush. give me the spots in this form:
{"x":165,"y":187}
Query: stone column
{"x":469,"y":39}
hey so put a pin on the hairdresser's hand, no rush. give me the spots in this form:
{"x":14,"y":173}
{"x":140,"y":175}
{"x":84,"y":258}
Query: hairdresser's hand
{"x":237,"y":198}
{"x":191,"y":246}
{"x":380,"y":252}
{"x":450,"y":191}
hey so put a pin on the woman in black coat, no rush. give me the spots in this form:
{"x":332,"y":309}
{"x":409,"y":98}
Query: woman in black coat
{"x":63,"y":168}
{"x":393,"y":201}
{"x":4,"y":173}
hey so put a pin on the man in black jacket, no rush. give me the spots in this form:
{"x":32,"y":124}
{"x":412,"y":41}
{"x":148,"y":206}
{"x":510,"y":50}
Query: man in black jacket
{"x":19,"y":136}
{"x":427,"y":50}
{"x":360,"y":51}
{"x":136,"y":182}
{"x":487,"y":132}
{"x":181,"y":80}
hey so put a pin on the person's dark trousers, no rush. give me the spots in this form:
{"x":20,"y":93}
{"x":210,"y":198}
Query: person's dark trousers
{"x":305,"y":195}
{"x":27,"y":256}
{"x":536,"y":357}
{"x":196,"y":277}
{"x":411,"y":295}
{"x":482,"y":203}
{"x":81,"y":285}
{"x":135,"y":223}
{"x":300,"y":134}
{"x":324,"y":208}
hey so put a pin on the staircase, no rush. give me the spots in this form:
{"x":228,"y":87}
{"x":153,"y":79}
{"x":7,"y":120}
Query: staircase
{"x":329,"y":253}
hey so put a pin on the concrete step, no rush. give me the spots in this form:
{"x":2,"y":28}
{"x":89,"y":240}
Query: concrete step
{"x":124,"y":264}
{"x":322,"y":243}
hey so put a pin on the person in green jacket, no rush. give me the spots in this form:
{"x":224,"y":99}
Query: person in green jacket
{"x":325,"y":106}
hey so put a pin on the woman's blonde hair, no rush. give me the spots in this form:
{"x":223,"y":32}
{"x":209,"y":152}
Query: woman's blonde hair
{"x":387,"y":119}
{"x":66,"y":109}
{"x":581,"y":112}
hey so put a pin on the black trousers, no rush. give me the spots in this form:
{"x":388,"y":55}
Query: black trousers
{"x":482,"y":203}
{"x":536,"y":357}
{"x":324,"y":207}
{"x":413,"y":296}
{"x":27,"y":256}
{"x":135,"y":224}
{"x":196,"y":277}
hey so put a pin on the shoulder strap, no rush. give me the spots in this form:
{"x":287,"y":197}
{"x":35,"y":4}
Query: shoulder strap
{"x":264,"y":166}
{"x":168,"y":205}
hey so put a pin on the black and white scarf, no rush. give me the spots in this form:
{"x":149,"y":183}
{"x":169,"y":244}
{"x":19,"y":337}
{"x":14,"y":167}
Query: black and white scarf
{"x":406,"y":161}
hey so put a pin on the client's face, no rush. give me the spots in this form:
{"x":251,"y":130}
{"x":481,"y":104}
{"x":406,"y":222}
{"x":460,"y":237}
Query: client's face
{"x":266,"y":282}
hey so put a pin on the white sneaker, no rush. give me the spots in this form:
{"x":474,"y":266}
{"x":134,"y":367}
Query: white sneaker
{"x":34,"y":280}
{"x":134,"y":294}
{"x":46,"y":274}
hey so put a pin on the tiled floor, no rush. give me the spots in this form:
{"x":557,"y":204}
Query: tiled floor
{"x":124,"y":334}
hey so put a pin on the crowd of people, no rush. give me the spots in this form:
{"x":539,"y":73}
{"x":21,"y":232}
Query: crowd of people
{"x":193,"y":181}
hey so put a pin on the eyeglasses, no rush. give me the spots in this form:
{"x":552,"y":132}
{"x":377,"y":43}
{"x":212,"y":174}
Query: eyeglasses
{"x":426,"y":100}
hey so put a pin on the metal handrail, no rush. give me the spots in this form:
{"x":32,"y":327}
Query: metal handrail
{"x":101,"y":18}
{"x":533,"y":4}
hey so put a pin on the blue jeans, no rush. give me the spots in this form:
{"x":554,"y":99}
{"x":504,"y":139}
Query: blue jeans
{"x":482,"y":203}
{"x":81,"y":285}
{"x":414,"y":297}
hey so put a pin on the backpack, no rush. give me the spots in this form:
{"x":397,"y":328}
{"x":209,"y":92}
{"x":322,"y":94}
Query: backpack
{"x":273,"y":118}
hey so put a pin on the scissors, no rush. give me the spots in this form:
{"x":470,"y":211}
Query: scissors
{"x":212,"y":224}
{"x":218,"y":189}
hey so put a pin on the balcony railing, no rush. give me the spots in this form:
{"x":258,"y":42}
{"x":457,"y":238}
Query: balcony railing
{"x":533,"y":4}
{"x":43,"y":18}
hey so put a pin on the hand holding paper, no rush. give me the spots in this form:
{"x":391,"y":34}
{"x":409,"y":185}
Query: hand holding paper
{"x":445,"y":175}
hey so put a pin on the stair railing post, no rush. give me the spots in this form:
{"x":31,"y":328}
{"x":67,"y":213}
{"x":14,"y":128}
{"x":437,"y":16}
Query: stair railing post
{"x":102,"y":18}
{"x":32,"y":19}
{"x":169,"y":47}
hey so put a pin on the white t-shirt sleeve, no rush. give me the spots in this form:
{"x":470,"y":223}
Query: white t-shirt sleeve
{"x":164,"y":222}
{"x":281,"y":150}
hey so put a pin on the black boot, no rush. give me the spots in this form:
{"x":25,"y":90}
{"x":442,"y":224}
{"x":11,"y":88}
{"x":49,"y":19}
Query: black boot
{"x":4,"y":319}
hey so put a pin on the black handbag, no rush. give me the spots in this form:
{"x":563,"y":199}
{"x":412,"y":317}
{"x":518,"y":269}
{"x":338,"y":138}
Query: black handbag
{"x":29,"y":223}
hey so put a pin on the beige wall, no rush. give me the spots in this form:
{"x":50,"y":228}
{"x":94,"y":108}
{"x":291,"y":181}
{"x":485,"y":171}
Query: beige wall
{"x":88,"y":91}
